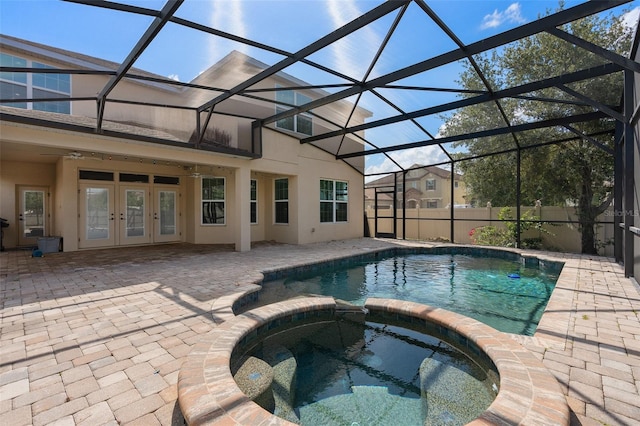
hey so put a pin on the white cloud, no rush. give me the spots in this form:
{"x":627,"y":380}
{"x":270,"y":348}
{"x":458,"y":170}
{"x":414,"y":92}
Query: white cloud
{"x":226,"y":16}
{"x":426,"y":155}
{"x":511,"y":14}
{"x":348,"y":55}
{"x":630,"y":19}
{"x":173,"y":77}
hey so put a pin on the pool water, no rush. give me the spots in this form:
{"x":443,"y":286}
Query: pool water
{"x":502,"y":293}
{"x":352,"y":372}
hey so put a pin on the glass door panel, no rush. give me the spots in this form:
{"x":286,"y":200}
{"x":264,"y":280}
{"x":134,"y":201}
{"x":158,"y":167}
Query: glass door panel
{"x":134,"y":216}
{"x":32,"y":215}
{"x":166,"y":215}
{"x":96,"y":216}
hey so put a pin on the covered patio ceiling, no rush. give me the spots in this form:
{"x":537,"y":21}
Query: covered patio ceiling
{"x":397,"y":59}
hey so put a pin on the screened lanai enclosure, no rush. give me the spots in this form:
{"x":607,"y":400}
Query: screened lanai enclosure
{"x":512,"y":126}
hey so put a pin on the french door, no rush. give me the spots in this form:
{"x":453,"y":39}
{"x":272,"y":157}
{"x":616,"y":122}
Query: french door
{"x":165,"y":215}
{"x":134,"y":216}
{"x":139,"y":214}
{"x":33,"y":214}
{"x":97,"y":215}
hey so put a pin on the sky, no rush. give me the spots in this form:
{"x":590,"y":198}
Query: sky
{"x":289,"y":25}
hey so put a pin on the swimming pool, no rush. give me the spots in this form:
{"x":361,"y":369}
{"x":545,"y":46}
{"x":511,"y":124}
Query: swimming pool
{"x":499,"y":288}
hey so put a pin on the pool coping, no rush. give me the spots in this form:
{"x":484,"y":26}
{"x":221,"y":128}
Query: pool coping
{"x":208,"y":394}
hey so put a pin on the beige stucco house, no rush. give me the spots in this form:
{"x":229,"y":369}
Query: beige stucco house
{"x":145,"y":177}
{"x":423,"y":187}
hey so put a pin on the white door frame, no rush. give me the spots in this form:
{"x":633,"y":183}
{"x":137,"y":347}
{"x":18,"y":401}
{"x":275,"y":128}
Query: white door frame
{"x":134,"y":221}
{"x":96,"y":228}
{"x":32,"y":224}
{"x":162,"y":230}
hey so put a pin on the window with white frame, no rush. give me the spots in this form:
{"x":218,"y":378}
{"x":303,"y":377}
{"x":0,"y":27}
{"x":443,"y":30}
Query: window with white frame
{"x":254,"y":201}
{"x":432,"y":204}
{"x":333,"y":201}
{"x":20,"y":85}
{"x":281,"y":198}
{"x":300,"y":123}
{"x":213,"y":200}
{"x":455,"y":184}
{"x":430,"y":184}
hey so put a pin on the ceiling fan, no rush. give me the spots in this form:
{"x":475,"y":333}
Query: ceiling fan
{"x":76,"y":155}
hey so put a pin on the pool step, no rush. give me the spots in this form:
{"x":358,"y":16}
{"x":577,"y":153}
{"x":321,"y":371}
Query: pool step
{"x":366,"y":405}
{"x":284,"y":366}
{"x":344,"y":307}
{"x":453,"y":396}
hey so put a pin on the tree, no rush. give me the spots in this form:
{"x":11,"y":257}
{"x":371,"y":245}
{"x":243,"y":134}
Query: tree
{"x":578,"y":171}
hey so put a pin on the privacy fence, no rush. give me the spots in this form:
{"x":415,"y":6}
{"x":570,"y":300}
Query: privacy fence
{"x":543,"y":227}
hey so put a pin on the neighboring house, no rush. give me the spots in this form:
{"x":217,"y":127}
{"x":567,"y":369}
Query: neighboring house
{"x":146,"y":177}
{"x":423,"y":187}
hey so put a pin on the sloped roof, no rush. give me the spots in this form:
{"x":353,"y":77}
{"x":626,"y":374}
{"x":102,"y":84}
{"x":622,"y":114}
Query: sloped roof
{"x":423,"y":170}
{"x":73,"y":59}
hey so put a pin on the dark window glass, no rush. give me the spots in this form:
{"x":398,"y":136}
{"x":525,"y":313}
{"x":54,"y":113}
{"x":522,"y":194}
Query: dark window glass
{"x":13,"y":91}
{"x":282,"y":212}
{"x":213,"y":212}
{"x":341,"y":212}
{"x":254,"y":201}
{"x":281,"y":197}
{"x":166,"y":180}
{"x":254,"y":213}
{"x":130,"y":177}
{"x":326,"y":212}
{"x":93,"y":175}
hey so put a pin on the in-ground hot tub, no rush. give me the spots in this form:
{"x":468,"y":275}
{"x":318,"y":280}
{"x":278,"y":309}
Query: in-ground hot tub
{"x":208,"y":393}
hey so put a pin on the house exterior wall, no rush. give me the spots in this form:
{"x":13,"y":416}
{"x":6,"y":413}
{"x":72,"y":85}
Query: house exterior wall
{"x":282,"y":156}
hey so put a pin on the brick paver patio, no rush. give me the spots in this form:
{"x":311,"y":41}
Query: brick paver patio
{"x":98,"y":337}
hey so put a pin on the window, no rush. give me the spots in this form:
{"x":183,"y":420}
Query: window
{"x":333,"y":201}
{"x":20,"y":85}
{"x":281,"y":197}
{"x":431,"y":184}
{"x":455,"y":184}
{"x":254,"y":201}
{"x":300,"y":123}
{"x":213,"y":202}
{"x":432,"y":204}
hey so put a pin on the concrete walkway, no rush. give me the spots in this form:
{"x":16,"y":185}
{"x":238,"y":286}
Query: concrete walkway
{"x":98,"y":337}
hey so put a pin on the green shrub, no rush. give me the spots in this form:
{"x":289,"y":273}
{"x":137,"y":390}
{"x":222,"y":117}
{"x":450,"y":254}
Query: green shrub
{"x":506,"y":237}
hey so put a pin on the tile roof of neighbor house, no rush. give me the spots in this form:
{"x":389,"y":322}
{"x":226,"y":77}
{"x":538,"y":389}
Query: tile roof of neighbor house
{"x":411,"y":194}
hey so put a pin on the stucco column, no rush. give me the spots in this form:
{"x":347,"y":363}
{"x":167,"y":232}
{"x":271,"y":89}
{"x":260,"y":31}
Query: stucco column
{"x":242,"y":210}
